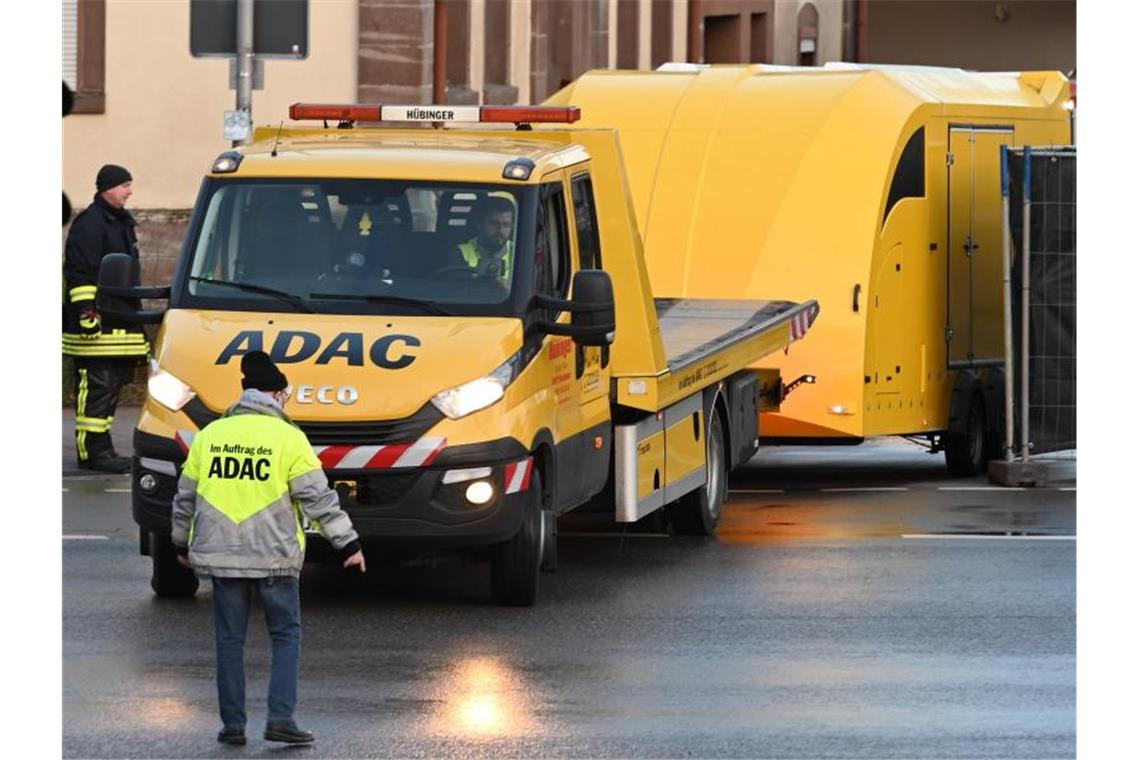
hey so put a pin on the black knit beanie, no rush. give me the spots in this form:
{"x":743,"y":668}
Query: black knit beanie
{"x":258,"y":371}
{"x":110,"y":176}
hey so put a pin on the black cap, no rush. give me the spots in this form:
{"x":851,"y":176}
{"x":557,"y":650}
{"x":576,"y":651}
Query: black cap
{"x":111,"y":175}
{"x":258,"y":371}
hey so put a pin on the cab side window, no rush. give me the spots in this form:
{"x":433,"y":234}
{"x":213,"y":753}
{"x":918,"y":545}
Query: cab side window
{"x":586,"y":221}
{"x":552,"y":246}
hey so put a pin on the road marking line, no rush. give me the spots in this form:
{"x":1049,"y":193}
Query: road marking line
{"x":981,"y":488}
{"x":861,"y":490}
{"x":84,"y":538}
{"x":611,"y":534}
{"x":66,"y":490}
{"x":116,"y":490}
{"x":976,"y":537}
{"x":1066,"y":489}
{"x":756,"y":490}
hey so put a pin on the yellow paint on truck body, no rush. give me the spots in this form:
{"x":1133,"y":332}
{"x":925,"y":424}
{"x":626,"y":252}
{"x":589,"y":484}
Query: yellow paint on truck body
{"x":762,"y":182}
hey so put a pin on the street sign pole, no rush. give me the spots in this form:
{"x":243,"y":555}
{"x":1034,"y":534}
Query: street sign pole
{"x":244,"y":63}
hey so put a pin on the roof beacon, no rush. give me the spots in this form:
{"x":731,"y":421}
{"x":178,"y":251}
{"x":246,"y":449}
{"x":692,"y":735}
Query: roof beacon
{"x":349,"y":112}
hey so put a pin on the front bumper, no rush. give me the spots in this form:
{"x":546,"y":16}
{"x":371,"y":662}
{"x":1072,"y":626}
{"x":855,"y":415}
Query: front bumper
{"x":408,"y":506}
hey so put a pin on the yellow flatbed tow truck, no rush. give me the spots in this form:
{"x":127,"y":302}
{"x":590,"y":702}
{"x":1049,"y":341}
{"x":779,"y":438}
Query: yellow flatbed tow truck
{"x":466,"y":319}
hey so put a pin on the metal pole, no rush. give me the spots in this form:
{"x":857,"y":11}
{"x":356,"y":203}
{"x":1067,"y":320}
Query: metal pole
{"x":1025,"y":305}
{"x":439,"y":58}
{"x":1007,"y":294}
{"x":244,"y":59}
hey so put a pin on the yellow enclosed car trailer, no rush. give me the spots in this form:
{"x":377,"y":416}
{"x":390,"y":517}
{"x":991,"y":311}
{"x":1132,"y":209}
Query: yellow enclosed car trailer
{"x":875,"y":190}
{"x":469,"y":328}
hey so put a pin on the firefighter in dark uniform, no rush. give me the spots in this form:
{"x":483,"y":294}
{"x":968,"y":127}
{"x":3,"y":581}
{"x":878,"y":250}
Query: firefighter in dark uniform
{"x":105,"y":354}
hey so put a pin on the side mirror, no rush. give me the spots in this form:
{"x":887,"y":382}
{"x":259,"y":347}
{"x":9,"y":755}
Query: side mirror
{"x":117,"y":300}
{"x":592,"y":313}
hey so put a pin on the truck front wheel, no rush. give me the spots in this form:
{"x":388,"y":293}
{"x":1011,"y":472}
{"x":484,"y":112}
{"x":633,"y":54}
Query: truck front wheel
{"x":169,"y":579}
{"x":698,"y":512}
{"x":514,"y":569}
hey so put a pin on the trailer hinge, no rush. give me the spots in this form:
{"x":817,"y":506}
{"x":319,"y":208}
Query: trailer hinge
{"x":949,"y":159}
{"x":949,"y":333}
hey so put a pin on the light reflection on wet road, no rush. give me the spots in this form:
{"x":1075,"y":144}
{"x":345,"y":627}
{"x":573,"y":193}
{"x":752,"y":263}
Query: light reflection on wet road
{"x":810,"y":628}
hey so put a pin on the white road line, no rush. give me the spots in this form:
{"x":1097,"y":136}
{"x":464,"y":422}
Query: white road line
{"x":116,"y":490}
{"x":756,"y":490}
{"x":1066,"y":489}
{"x":981,"y":488}
{"x":66,"y":490}
{"x":861,"y":490}
{"x":611,"y":534}
{"x":84,"y":538}
{"x":975,"y":537}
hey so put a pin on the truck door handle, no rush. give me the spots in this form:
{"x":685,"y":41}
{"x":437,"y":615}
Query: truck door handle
{"x":855,"y":297}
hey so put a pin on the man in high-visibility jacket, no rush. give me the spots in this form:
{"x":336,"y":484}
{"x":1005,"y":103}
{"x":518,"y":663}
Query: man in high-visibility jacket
{"x":105,"y":355}
{"x":249,"y":480}
{"x":491,"y":252}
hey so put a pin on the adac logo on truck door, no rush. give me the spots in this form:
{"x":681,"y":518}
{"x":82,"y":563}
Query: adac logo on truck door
{"x":292,"y":346}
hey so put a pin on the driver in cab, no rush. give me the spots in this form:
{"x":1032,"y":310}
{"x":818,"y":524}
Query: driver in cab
{"x":490,"y":253}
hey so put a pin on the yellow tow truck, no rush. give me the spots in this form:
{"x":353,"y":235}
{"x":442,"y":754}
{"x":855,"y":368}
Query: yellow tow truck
{"x":467,"y":323}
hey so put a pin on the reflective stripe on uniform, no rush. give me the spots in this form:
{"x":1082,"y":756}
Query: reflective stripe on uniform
{"x":82,"y":293}
{"x":114,"y":343}
{"x":93,"y":424}
{"x":80,"y":408}
{"x":471,"y":256}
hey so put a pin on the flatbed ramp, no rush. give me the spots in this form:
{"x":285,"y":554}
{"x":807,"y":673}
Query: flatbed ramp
{"x":706,"y":340}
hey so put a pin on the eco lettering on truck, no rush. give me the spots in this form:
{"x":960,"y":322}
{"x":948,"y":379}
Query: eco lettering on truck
{"x":292,"y":346}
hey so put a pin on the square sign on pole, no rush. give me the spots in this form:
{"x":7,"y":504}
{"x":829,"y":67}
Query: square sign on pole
{"x":280,"y":28}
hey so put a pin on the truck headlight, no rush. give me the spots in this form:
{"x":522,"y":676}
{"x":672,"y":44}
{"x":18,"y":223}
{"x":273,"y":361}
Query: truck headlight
{"x":167,"y":389}
{"x":478,"y":394}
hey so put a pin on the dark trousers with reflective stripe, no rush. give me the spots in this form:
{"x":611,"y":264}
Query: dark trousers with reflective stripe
{"x":98,"y":382}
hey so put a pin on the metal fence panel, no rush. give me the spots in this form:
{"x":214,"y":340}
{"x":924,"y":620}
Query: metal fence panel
{"x":1049,"y":346}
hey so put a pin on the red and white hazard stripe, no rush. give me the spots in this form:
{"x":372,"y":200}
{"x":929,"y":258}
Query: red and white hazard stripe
{"x":517,"y":475}
{"x":184,"y":438}
{"x":418,"y":454}
{"x":803,"y":321}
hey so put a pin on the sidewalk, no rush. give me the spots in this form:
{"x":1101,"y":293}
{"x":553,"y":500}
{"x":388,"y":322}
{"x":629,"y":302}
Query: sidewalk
{"x":122,"y":433}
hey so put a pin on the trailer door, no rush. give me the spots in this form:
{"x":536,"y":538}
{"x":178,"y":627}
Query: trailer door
{"x":973,"y":250}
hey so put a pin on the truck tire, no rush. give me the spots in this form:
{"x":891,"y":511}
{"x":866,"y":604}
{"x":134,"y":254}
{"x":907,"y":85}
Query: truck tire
{"x":698,"y":512}
{"x":169,"y":579}
{"x":967,"y":450}
{"x":515,"y":566}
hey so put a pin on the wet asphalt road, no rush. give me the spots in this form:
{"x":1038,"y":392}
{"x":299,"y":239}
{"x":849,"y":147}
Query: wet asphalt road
{"x":856,"y":604}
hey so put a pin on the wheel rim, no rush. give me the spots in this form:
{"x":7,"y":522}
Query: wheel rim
{"x":714,"y":472}
{"x":977,"y":435}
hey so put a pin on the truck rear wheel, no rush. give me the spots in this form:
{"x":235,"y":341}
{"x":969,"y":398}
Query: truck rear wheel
{"x":169,"y":579}
{"x":515,"y":567}
{"x":698,"y":512}
{"x":968,"y":449}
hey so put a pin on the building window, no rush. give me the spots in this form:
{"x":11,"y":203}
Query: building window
{"x":84,"y":40}
{"x":807,"y":23}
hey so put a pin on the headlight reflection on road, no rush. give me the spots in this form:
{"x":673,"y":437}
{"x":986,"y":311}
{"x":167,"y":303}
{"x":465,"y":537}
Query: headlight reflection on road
{"x":483,"y":697}
{"x":165,"y":711}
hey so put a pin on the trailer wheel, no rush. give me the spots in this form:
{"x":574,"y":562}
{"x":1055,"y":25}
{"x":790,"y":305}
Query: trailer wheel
{"x":169,"y":579}
{"x":698,"y":512}
{"x":515,"y":567}
{"x":967,"y":450}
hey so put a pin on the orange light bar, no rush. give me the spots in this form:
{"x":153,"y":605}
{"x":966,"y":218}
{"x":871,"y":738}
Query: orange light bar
{"x":530,"y":114}
{"x":436,"y":114}
{"x":334,"y":112}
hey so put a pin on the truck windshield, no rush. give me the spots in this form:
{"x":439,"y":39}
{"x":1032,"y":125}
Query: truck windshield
{"x":358,"y":246}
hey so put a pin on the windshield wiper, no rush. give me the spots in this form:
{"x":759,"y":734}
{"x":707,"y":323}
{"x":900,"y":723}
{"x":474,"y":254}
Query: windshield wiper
{"x":281,"y":295}
{"x":429,"y":306}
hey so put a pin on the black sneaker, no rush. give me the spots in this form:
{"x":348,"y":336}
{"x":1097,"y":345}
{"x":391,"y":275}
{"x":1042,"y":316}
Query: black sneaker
{"x":288,"y":733}
{"x":108,"y":463}
{"x":230,"y":735}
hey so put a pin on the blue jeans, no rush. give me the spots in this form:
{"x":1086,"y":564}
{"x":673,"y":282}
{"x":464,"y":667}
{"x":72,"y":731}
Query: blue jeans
{"x":280,"y":596}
